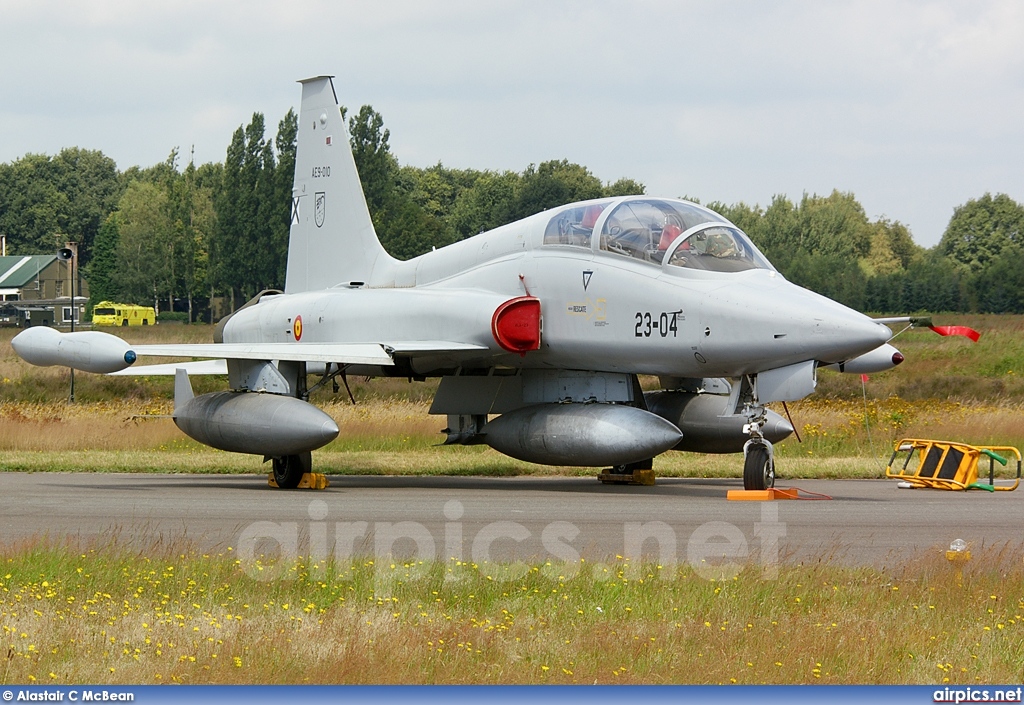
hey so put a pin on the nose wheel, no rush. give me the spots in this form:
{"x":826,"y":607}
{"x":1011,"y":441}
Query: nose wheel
{"x":758,"y":468}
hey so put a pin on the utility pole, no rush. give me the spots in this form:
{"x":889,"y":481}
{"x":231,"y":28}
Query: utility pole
{"x":67,"y":254}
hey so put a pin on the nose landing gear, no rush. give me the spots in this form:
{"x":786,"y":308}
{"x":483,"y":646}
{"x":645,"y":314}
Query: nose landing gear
{"x":758,"y":465}
{"x":758,"y":454}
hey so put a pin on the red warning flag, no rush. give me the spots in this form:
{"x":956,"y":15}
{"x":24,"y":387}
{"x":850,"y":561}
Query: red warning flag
{"x":863,"y":379}
{"x":957,"y":330}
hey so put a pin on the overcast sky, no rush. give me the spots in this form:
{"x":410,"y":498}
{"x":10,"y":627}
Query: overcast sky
{"x":915,"y":107}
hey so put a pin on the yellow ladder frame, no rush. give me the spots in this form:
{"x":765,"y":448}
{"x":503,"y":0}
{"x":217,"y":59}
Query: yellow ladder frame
{"x":950,"y":465}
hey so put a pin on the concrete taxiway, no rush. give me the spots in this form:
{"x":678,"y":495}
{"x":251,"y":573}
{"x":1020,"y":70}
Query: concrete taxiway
{"x":866,"y":522}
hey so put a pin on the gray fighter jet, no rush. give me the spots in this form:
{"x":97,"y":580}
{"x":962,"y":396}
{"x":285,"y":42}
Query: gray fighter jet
{"x":538,"y":330}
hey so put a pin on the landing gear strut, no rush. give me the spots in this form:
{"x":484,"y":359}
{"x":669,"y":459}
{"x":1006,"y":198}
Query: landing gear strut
{"x":288,"y":470}
{"x":758,"y":454}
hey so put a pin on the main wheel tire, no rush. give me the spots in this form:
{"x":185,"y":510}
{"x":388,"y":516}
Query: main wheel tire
{"x":288,"y":471}
{"x":758,"y":469}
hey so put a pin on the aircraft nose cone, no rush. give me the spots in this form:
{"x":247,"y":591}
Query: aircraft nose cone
{"x":839,"y":333}
{"x":862,"y":332}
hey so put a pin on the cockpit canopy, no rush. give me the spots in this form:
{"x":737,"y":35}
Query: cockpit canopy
{"x":717,"y":248}
{"x":649,"y":229}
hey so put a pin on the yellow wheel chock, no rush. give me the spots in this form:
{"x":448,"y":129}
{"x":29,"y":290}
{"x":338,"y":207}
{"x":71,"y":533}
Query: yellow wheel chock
{"x":949,"y":465}
{"x":637,"y":477}
{"x":309,"y":481}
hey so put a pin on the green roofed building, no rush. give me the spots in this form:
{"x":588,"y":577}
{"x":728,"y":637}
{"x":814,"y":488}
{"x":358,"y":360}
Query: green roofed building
{"x":41,"y":282}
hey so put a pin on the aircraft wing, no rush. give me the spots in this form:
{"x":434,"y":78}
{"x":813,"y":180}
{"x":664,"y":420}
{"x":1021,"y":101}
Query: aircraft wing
{"x":414,"y":348}
{"x":344,"y":353}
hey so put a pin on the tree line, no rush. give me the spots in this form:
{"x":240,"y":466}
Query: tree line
{"x":180,"y":236}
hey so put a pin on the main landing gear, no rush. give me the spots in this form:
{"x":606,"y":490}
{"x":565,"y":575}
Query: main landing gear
{"x":639,"y":473}
{"x":288,"y":470}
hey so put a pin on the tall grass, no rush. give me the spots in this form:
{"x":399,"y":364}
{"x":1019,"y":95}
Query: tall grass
{"x":393,"y":436}
{"x":172,"y":615}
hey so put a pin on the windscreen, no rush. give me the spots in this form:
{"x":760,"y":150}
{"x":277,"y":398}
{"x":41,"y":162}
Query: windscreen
{"x":718,"y":248}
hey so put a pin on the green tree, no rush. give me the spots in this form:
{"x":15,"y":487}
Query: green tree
{"x":226,"y":268}
{"x":437,"y":188}
{"x":192,"y":220}
{"x":145,"y":246}
{"x":777,"y":232}
{"x":981,"y":229}
{"x":488,"y":203}
{"x":746,"y":218}
{"x":624,"y":187}
{"x":287,"y":134}
{"x":376,"y":165}
{"x":102,"y":271}
{"x":32,"y":208}
{"x":554,"y":183}
{"x":88,"y":180}
{"x":834,"y":225}
{"x":999,"y":287}
{"x":831,"y":275}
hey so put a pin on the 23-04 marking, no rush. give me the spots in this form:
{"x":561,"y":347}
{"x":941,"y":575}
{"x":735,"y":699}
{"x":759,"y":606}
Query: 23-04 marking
{"x":664,"y":324}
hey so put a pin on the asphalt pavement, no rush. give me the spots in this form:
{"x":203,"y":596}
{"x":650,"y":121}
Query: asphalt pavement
{"x":864,"y":522}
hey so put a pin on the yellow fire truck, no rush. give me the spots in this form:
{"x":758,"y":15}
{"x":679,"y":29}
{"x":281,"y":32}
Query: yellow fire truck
{"x":107,"y":313}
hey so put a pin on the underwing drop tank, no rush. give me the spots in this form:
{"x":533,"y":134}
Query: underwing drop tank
{"x":581,"y":435}
{"x":271,"y":425}
{"x":707,"y":423}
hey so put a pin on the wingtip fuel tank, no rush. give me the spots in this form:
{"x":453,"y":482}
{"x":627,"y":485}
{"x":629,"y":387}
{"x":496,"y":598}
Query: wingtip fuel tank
{"x":88,"y":351}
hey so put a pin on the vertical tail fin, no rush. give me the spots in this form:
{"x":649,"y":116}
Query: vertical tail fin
{"x":332,"y":240}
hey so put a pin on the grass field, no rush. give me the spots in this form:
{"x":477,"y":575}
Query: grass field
{"x":174,"y":616}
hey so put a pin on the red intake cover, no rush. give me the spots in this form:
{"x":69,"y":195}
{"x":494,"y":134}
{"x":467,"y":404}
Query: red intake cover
{"x":516,"y":324}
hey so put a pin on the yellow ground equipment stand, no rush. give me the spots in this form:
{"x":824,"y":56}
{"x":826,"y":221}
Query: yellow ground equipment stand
{"x":948,"y":465}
